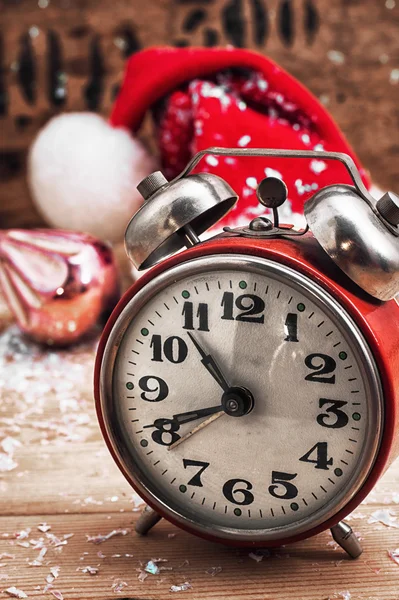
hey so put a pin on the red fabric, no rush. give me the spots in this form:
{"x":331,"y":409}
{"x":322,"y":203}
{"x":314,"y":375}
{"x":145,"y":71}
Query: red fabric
{"x":211,"y":103}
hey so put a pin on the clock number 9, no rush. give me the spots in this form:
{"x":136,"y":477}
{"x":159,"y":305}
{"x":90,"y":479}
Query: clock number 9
{"x":160,"y":389}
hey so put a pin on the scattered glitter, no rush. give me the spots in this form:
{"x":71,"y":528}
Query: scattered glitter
{"x":152,"y":567}
{"x":57,"y":594}
{"x":43,"y":527}
{"x":7,"y":463}
{"x":183,"y":587}
{"x":394,"y":76}
{"x":15,"y":592}
{"x":336,"y":57}
{"x":244,"y":141}
{"x":317,"y":166}
{"x":394,"y":555}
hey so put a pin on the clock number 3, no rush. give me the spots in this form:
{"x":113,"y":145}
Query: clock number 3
{"x":334,"y":410}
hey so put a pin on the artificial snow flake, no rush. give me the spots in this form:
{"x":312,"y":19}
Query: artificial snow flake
{"x":90,"y":570}
{"x":317,"y":166}
{"x":118,"y":586}
{"x":336,"y":57}
{"x":183,"y":587}
{"x":394,"y":555}
{"x":7,"y":463}
{"x":57,"y":594}
{"x":244,"y":141}
{"x":15,"y":592}
{"x":214,"y":571}
{"x":43,"y":527}
{"x":255,"y":556}
{"x":384,"y":516}
{"x":99,"y":539}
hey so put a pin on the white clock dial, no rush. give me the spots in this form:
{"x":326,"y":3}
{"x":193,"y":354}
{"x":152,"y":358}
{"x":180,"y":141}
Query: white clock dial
{"x":309,"y":398}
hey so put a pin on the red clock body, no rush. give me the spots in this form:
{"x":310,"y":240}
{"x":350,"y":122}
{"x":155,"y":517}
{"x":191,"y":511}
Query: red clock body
{"x":378,"y":322}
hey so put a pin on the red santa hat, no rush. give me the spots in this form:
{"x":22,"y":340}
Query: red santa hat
{"x":199,"y":97}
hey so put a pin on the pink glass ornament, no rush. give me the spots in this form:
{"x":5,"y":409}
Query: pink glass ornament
{"x":58,"y":284}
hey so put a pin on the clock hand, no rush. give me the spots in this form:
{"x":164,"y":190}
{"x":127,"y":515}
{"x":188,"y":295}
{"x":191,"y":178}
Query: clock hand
{"x":197,"y":428}
{"x":192,"y":415}
{"x":210,"y":364}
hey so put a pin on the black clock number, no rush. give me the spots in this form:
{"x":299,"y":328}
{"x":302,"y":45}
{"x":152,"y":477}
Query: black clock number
{"x":201,"y":315}
{"x":251,"y":305}
{"x":196,"y":480}
{"x":334,"y":418}
{"x":291,"y":328}
{"x":320,"y":459}
{"x":153,"y":385}
{"x":165,"y":432}
{"x":174,"y":349}
{"x":323,"y":365}
{"x":238,"y":495}
{"x":281,"y":483}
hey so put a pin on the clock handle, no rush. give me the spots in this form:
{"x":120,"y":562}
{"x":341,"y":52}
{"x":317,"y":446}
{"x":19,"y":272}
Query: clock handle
{"x":380,"y":207}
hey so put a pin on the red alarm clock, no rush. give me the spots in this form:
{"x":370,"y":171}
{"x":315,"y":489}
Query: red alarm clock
{"x":248,"y":386}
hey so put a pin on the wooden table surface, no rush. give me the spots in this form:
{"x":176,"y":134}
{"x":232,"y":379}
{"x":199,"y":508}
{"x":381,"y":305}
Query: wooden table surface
{"x":59,"y":487}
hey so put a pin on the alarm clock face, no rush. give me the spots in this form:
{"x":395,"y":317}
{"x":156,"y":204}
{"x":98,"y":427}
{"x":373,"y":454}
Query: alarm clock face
{"x":241,"y":399}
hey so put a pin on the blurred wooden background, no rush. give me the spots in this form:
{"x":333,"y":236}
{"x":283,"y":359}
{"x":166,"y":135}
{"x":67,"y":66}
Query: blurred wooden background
{"x":60,"y":55}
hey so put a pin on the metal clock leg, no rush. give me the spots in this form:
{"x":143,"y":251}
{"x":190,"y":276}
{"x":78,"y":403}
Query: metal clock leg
{"x":345,"y":538}
{"x":147,"y":520}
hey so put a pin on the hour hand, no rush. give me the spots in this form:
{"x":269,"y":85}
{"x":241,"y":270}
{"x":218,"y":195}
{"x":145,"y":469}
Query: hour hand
{"x":193,"y":415}
{"x":210,"y":364}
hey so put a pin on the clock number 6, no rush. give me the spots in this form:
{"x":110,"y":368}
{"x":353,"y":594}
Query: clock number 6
{"x":240,"y":495}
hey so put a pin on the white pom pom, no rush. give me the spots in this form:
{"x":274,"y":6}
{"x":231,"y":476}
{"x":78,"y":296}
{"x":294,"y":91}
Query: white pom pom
{"x":83,"y":175}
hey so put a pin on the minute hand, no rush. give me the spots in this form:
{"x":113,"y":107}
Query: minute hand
{"x":211,"y":365}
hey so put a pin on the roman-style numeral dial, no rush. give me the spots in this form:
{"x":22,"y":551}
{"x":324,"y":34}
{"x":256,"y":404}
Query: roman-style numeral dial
{"x":244,"y":397}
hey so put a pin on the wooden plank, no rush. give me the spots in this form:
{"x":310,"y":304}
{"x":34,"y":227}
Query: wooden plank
{"x":310,"y":570}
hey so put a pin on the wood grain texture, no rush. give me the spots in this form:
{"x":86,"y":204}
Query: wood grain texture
{"x":65,"y":477}
{"x":348,"y":57}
